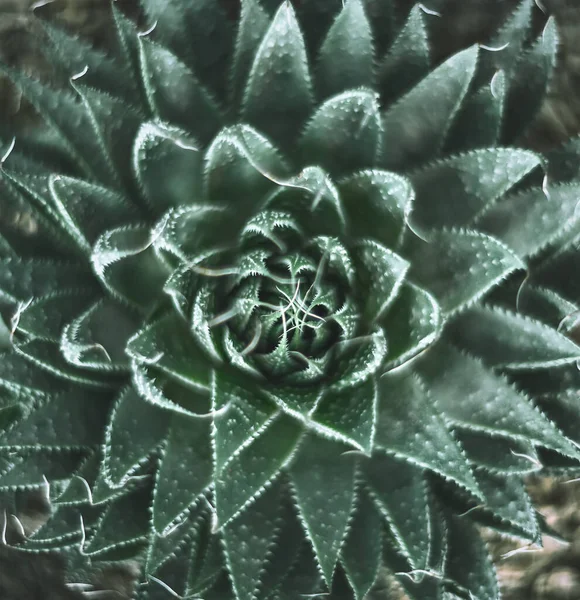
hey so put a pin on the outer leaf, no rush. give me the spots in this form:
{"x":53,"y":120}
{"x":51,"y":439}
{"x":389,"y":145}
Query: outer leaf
{"x":250,"y":471}
{"x":346,"y":57}
{"x":324,"y":484}
{"x":407,"y":61}
{"x":278,"y":96}
{"x":410,"y":427}
{"x":452,"y":192}
{"x":474,"y":398}
{"x":248,"y":540}
{"x":459,"y":267}
{"x":503,"y":338}
{"x":135,"y":429}
{"x":430,"y":106}
{"x":400,"y":494}
{"x":344,"y":134}
{"x":361,"y":552}
{"x":185,"y":469}
{"x":549,"y":213}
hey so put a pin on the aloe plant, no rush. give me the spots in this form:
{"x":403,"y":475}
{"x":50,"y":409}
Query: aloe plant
{"x":271,"y":287}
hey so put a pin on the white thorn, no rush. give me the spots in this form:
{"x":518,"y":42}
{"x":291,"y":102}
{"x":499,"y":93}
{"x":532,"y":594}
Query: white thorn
{"x":9,"y":151}
{"x":40,"y":4}
{"x":20,"y":525}
{"x":522,"y":550}
{"x":154,"y":359}
{"x":81,"y":74}
{"x":492,"y":49}
{"x":185,"y":146}
{"x":171,"y":590}
{"x":223,"y":318}
{"x":47,"y":488}
{"x":545,"y":187}
{"x":79,"y":586}
{"x":533,"y":460}
{"x":89,"y":491}
{"x":148,"y":31}
{"x":541,"y":6}
{"x":572,"y":480}
{"x":4,"y":525}
{"x":471,"y":509}
{"x":429,"y":11}
{"x":520,"y":290}
{"x":492,"y":84}
{"x":15,"y":320}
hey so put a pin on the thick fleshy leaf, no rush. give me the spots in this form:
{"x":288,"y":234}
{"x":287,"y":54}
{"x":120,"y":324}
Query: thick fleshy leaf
{"x":124,"y":523}
{"x":413,"y":323}
{"x":376,"y":204}
{"x":185,"y":469}
{"x":32,"y":470}
{"x":361,"y":551}
{"x":96,"y":339}
{"x":198,"y":32}
{"x":175,"y":95}
{"x":401,"y":495}
{"x":549,"y":213}
{"x":248,"y":541}
{"x":380,"y":273}
{"x":241,"y":166}
{"x":344,"y":134}
{"x":415,"y":127}
{"x":69,"y":420}
{"x":24,"y":381}
{"x":324,"y":485}
{"x":252,"y":469}
{"x":411,"y":427}
{"x":506,"y":339}
{"x":278,"y":97}
{"x":126,"y":264}
{"x":350,"y":414}
{"x":346,"y":59}
{"x":167,"y":163}
{"x":474,"y":398}
{"x":166,"y":344}
{"x":459,"y":267}
{"x":252,"y":28}
{"x":529,"y":83}
{"x":136,"y":428}
{"x":478,"y":123}
{"x":452,"y":192}
{"x":469,"y":563}
{"x":407,"y":61}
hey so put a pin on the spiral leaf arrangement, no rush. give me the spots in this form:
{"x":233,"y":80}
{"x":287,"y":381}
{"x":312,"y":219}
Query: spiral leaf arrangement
{"x":287,"y":315}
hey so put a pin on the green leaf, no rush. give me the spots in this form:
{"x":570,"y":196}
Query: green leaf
{"x":124,"y":524}
{"x":175,"y":95}
{"x":549,"y":213}
{"x":198,"y":32}
{"x":278,"y":97}
{"x":529,"y":83}
{"x":166,"y":344}
{"x":380,"y":273}
{"x":413,"y":323}
{"x":479,"y":122}
{"x":136,"y":428}
{"x":245,"y":413}
{"x":344,"y":134}
{"x":411,"y":427}
{"x":361,"y":552}
{"x":248,"y":542}
{"x":350,"y":415}
{"x":97,"y":338}
{"x":376,"y":204}
{"x":167,"y":164}
{"x":506,"y":339}
{"x":252,"y":469}
{"x":252,"y":28}
{"x":415,"y":127}
{"x":469,"y":563}
{"x":407,"y":61}
{"x":400,"y":494}
{"x":185,"y":469}
{"x":70,"y":420}
{"x":459,"y":267}
{"x":453,"y":191}
{"x":240,"y":168}
{"x":474,"y":398}
{"x":324,"y":485}
{"x":346,"y":59}
{"x":126,"y":263}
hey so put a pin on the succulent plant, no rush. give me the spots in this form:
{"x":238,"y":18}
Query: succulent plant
{"x":279,"y":317}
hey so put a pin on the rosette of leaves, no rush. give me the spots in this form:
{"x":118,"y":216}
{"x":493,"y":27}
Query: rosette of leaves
{"x":263,"y":322}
